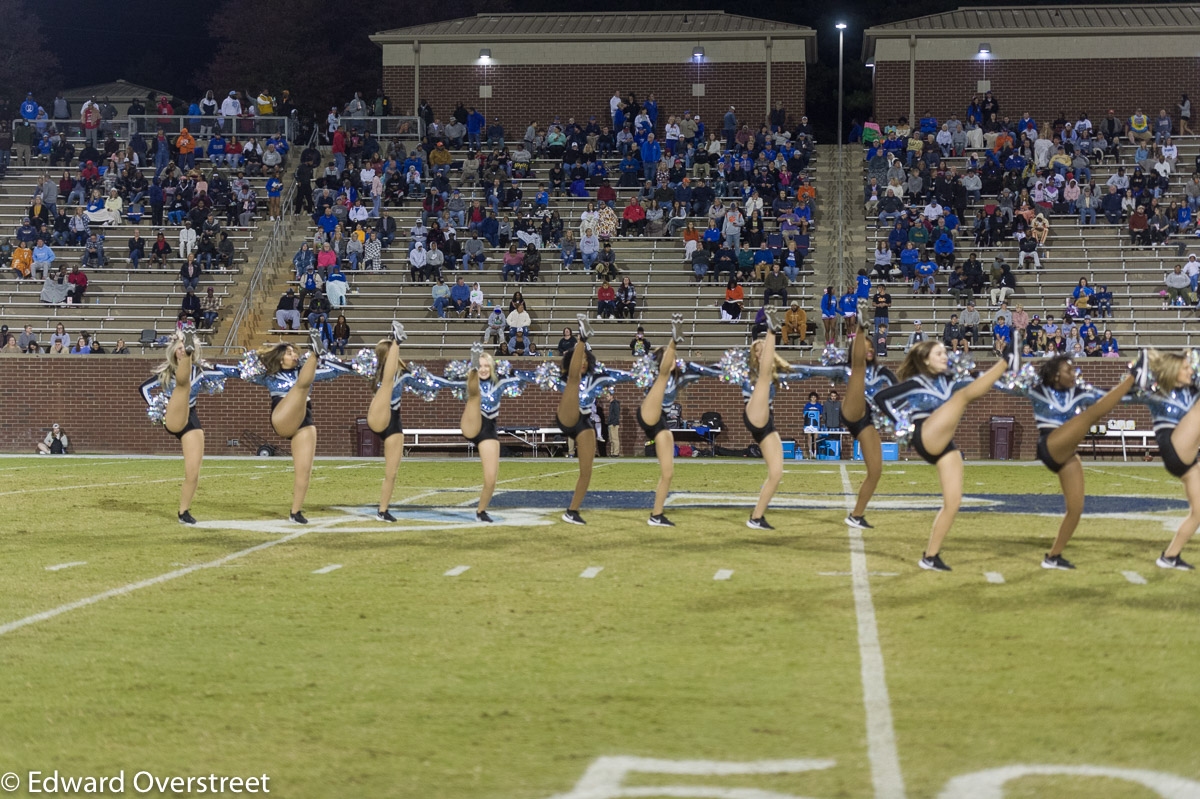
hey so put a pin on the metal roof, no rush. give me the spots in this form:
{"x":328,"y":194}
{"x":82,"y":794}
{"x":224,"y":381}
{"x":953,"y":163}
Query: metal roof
{"x":638,"y":25}
{"x":1078,"y":19}
{"x":116,"y":88}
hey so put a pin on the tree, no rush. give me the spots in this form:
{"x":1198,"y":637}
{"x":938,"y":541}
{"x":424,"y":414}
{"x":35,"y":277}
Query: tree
{"x":322,"y":54}
{"x":26,"y":65}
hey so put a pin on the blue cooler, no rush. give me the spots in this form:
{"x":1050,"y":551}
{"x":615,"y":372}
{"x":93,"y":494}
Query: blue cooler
{"x":890,"y":449}
{"x":789,"y":450}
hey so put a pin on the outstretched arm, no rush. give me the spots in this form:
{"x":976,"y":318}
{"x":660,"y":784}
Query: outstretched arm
{"x":835,"y":373}
{"x":145,"y":387}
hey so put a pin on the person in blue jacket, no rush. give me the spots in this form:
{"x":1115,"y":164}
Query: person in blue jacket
{"x":943,"y":250}
{"x":864,"y":285}
{"x":216,"y":149}
{"x":29,"y":107}
{"x":910,"y":256}
{"x":926,"y":271}
{"x":830,"y":310}
{"x":475,"y":125}
{"x":848,"y":306}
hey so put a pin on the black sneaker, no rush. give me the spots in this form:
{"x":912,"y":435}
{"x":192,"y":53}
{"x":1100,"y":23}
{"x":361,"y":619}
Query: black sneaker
{"x":573,"y":517}
{"x":933,"y":563}
{"x":384,"y":516}
{"x":1177,"y":562}
{"x":1057,"y":562}
{"x":759,"y":524}
{"x":482,"y":515}
{"x":1140,"y":369}
{"x":659,"y":520}
{"x":298,"y":517}
{"x":859,"y":521}
{"x":186,"y":518}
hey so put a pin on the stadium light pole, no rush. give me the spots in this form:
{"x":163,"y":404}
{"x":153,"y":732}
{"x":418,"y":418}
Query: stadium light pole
{"x":841,"y":276}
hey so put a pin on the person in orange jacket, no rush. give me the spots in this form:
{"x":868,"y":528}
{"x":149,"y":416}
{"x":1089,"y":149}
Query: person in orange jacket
{"x":186,"y":145}
{"x":22,"y":260}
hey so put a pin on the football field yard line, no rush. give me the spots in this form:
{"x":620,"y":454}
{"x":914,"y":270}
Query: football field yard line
{"x":124,"y":483}
{"x":1134,"y":578}
{"x":5,"y":629}
{"x":332,"y":567}
{"x":723,"y":574}
{"x":457,"y":570}
{"x":436,"y":491}
{"x":994,"y":577}
{"x":60,"y":566}
{"x":590,"y":572}
{"x":881,"y":735}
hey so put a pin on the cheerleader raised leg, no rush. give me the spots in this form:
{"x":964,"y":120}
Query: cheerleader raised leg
{"x":383,"y":415}
{"x":571,"y":420}
{"x":650,"y":416}
{"x":865,"y":380}
{"x":759,"y":417}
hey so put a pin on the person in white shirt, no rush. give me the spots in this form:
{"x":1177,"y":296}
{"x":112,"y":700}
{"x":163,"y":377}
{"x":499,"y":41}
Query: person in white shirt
{"x":614,"y":103}
{"x":1170,"y":152}
{"x":933,"y":211}
{"x":1162,"y":166}
{"x":230,"y":107}
{"x":1192,"y":270}
{"x":332,"y":122}
{"x":417,"y":261}
{"x":672,"y":134}
{"x":187,"y":239}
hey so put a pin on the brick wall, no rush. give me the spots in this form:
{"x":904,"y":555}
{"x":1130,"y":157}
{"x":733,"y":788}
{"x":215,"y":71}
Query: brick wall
{"x":1042,"y":86}
{"x":97,"y":402}
{"x":521,"y":93}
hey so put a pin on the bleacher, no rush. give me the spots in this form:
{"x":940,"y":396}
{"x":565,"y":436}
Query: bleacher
{"x":664,"y":281}
{"x":1102,"y":253}
{"x":120,"y":302}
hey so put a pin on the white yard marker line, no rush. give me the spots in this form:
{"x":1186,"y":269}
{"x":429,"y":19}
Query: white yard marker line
{"x":1134,"y":578}
{"x":332,"y":567}
{"x":1130,"y":476}
{"x":436,"y":491}
{"x":881,"y":734}
{"x":994,"y":577}
{"x":131,"y":587}
{"x":590,"y":572}
{"x":60,"y":566}
{"x":110,"y":485}
{"x":723,"y":574}
{"x":457,"y":570}
{"x":848,"y":574}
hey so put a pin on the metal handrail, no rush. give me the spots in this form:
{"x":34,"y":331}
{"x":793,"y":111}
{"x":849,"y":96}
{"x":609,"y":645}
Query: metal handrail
{"x":243,"y":126}
{"x":280,"y":229}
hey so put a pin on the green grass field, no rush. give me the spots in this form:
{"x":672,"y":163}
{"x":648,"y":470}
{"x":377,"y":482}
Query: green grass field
{"x":387,"y":677}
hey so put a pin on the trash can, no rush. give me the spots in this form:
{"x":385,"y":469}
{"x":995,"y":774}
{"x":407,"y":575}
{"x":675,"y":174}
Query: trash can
{"x":366,"y":442}
{"x":1002,"y":438}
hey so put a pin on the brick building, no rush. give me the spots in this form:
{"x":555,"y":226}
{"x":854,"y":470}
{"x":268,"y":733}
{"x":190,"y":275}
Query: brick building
{"x":524,"y":67}
{"x":1042,"y":59}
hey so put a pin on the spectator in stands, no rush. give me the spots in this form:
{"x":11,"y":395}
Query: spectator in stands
{"x":916,"y":336}
{"x":441,"y":297}
{"x":1139,"y":228}
{"x":518,"y":318}
{"x":924,"y":281}
{"x":626,"y":299}
{"x":731,"y":228}
{"x":1108,"y":345}
{"x":731,"y":309}
{"x":795,"y":325}
{"x":93,"y":252}
{"x":606,"y":267}
{"x":78,"y":285}
{"x":22,"y":261}
{"x":1004,"y":285}
{"x":210,"y":307}
{"x":513,"y":261}
{"x":606,"y":301}
{"x":160,"y":251}
{"x":190,"y":272}
{"x":191,"y":305}
{"x":287,"y":312}
{"x":775,"y":284}
{"x":1179,"y":287}
{"x":460,"y":297}
{"x":28,"y":340}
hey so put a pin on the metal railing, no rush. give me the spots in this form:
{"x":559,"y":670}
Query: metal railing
{"x":280,"y":230}
{"x":243,"y":126}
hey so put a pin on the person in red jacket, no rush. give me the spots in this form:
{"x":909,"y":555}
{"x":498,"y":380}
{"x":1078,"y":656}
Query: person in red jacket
{"x":606,"y":194}
{"x":606,"y":301}
{"x":634,"y":217}
{"x":78,"y":281}
{"x":338,"y":147}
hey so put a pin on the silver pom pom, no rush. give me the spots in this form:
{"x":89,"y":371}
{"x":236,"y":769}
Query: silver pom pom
{"x":645,"y":371}
{"x":504,"y":368}
{"x":599,"y":369}
{"x":904,"y":428}
{"x":734,"y":366}
{"x":548,"y":376}
{"x":1022,"y":380}
{"x":511,"y":390}
{"x":212,"y":384}
{"x":457,"y":370}
{"x":960,"y":366}
{"x":1081,"y":383}
{"x":365,"y":363}
{"x":421,"y":383}
{"x":833,"y":356}
{"x":250,"y":368}
{"x":157,"y":409}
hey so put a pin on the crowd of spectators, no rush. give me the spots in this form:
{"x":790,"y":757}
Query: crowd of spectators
{"x":925,"y":183}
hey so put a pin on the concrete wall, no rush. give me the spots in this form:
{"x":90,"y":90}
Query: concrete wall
{"x":97,"y":402}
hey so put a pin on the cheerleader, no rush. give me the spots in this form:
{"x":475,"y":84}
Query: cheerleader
{"x":288,"y":378}
{"x":660,"y":396}
{"x":926,"y":409}
{"x":866,"y":378}
{"x":583,"y":384}
{"x":1064,"y":410}
{"x":181,"y":379}
{"x":1166,"y":384}
{"x":383,"y":415}
{"x":484,"y":389}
